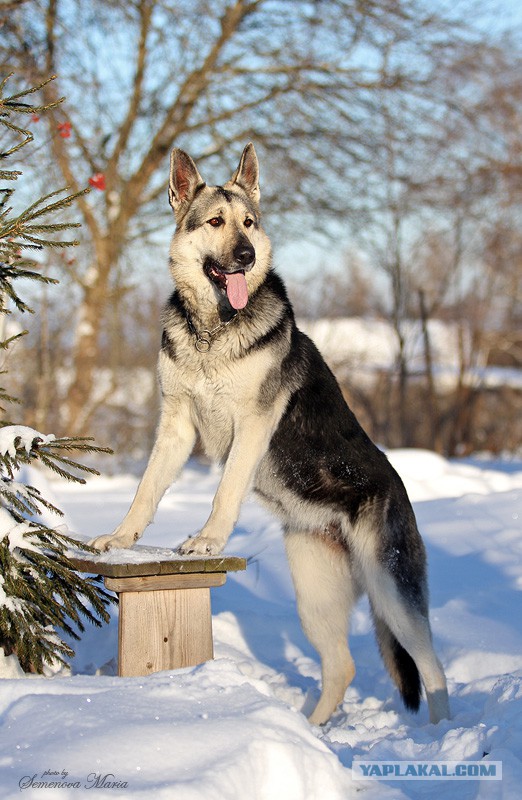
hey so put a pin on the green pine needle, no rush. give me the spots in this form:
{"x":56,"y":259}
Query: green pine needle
{"x":42,"y":597}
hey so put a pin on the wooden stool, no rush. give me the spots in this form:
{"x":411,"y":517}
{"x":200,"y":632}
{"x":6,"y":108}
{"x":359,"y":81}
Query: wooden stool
{"x":165,"y":620}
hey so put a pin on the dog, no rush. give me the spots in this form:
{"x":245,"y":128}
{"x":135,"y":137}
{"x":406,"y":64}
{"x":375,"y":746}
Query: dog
{"x":234,"y":368}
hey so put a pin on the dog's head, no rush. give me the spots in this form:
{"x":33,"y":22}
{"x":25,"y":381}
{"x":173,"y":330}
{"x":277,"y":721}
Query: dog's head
{"x":219,"y":251}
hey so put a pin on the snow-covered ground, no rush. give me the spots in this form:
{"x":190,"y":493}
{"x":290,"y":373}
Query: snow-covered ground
{"x":233,"y":728}
{"x":360,"y":349}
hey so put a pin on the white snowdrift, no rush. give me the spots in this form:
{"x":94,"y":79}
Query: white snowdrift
{"x":233,"y":728}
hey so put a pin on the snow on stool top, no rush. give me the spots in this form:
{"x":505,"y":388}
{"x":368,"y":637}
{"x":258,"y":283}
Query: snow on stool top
{"x":142,"y":561}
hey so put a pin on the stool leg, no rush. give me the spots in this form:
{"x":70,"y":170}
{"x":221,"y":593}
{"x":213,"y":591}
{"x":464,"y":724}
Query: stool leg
{"x":166,"y":629}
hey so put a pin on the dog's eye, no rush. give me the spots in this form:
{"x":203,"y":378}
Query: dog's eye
{"x":248,"y":222}
{"x":215,"y":222}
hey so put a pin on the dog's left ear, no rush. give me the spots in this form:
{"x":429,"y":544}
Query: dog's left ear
{"x":247,"y":174}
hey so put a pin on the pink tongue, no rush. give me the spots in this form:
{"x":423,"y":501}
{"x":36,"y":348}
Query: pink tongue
{"x":237,"y":291}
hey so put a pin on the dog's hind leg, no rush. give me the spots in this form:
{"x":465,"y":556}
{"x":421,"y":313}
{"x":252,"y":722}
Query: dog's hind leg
{"x":325,"y":595}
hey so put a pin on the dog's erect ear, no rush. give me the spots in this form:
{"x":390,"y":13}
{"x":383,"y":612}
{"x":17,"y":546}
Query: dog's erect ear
{"x":184,"y":180}
{"x":247,"y":174}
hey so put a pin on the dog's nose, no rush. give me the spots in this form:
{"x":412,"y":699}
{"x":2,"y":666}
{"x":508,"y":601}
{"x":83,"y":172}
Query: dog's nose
{"x":244,"y":254}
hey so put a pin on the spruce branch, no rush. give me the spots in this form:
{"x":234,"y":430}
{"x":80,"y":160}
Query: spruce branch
{"x":13,"y":227}
{"x":50,"y":454}
{"x":13,"y":105}
{"x":21,"y":499}
{"x":11,"y":175}
{"x":8,"y":342}
{"x":34,"y":210}
{"x":44,"y":594}
{"x":42,"y":597}
{"x":9,"y":273}
{"x":48,"y":451}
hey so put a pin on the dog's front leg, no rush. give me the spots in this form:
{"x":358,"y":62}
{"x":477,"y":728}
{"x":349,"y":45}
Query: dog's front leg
{"x":175,"y":439}
{"x":249,"y":445}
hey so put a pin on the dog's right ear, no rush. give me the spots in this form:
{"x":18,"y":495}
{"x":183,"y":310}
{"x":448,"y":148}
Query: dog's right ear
{"x":184,"y":180}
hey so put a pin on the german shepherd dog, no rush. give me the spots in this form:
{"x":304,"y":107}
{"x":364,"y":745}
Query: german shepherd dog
{"x":234,"y":368}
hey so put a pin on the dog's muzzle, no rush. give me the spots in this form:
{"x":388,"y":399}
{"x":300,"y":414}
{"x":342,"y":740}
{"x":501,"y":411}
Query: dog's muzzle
{"x":232,"y":282}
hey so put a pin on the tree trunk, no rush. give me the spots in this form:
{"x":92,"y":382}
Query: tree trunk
{"x":81,"y":400}
{"x":431,"y":395}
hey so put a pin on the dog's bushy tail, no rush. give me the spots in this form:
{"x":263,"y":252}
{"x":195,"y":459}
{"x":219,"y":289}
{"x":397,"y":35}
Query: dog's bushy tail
{"x":399,"y":664}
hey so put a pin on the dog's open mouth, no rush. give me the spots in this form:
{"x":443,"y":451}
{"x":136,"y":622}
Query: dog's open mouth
{"x":233,"y":284}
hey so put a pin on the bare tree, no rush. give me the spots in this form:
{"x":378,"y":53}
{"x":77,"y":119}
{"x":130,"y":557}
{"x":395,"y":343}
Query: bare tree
{"x":302,"y":79}
{"x":444,"y":234}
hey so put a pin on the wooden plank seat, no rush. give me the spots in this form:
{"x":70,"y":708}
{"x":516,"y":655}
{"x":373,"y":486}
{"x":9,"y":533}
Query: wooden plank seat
{"x":165,"y":619}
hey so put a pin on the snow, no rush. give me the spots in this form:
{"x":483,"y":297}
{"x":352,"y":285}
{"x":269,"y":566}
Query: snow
{"x":9,"y":665}
{"x":15,"y":531}
{"x":359,"y":349}
{"x":234,"y":727}
{"x":372,"y":343}
{"x":21,"y":435}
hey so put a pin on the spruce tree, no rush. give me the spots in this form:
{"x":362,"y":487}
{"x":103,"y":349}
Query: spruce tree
{"x":42,"y":598}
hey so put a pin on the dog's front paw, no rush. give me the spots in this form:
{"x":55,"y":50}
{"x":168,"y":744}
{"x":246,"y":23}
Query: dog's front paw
{"x":201,"y":546}
{"x":114,"y":541}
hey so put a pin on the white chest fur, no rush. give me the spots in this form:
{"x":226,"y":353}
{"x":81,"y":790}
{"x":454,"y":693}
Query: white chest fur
{"x":218,"y":392}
